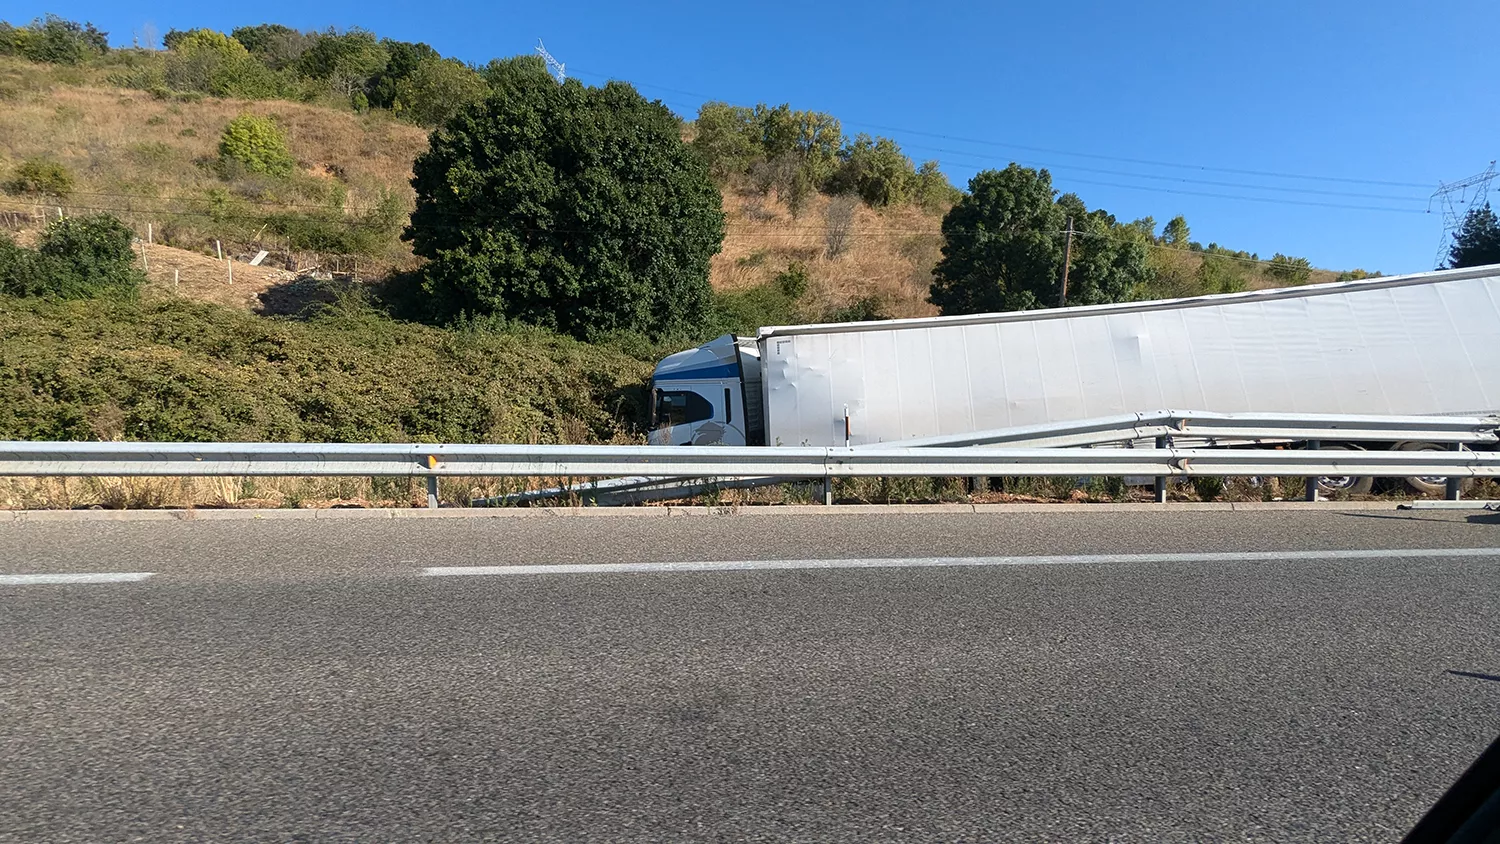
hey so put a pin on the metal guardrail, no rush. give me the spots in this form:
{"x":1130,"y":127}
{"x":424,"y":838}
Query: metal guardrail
{"x":1051,"y":450}
{"x":420,"y":460}
{"x":1240,"y":427}
{"x":1162,"y":427}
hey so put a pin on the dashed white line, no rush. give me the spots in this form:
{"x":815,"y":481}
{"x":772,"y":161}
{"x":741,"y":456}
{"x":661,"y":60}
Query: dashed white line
{"x":64,"y":578}
{"x":942,"y":562}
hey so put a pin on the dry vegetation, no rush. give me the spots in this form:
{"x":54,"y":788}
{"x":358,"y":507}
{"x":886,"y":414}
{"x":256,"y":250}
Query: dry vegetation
{"x":136,"y":156}
{"x":151,"y":161}
{"x":324,"y":493}
{"x":888,"y":254}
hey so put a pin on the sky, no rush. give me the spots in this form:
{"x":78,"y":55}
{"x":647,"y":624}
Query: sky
{"x":1219,"y":113}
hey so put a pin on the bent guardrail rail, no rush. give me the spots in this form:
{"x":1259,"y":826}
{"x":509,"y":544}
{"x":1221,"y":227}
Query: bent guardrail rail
{"x":432,"y":461}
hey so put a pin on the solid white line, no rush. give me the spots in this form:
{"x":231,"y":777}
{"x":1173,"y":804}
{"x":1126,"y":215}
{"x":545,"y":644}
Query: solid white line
{"x":943,"y":562}
{"x":45,"y":579}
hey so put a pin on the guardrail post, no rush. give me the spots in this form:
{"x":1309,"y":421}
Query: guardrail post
{"x":1311,"y":493}
{"x":828,"y":490}
{"x":1161,"y":480}
{"x":1453,"y":489}
{"x":432,"y":496}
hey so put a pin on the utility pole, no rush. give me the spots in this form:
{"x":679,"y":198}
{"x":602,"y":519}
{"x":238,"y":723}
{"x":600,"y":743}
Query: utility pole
{"x":1062,"y":296}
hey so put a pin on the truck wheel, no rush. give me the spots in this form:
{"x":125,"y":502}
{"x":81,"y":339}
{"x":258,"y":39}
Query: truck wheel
{"x":1330,"y":484}
{"x":1427,"y":485}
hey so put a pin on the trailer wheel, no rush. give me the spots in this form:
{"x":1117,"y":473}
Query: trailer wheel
{"x":1428,"y":485}
{"x":1330,"y":484}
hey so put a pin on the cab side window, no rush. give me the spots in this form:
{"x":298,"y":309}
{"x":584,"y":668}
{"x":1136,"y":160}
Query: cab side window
{"x":682,"y":407}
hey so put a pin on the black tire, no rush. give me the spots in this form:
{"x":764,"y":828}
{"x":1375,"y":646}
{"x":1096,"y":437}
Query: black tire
{"x":1426,"y":485}
{"x":1330,"y":485}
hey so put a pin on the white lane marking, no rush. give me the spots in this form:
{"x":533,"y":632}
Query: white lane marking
{"x":100,"y":577}
{"x":941,"y":562}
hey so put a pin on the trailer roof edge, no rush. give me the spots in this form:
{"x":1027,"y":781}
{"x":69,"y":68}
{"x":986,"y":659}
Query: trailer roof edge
{"x":1274,"y":293}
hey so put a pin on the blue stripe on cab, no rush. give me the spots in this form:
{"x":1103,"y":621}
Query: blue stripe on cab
{"x":727,"y":370}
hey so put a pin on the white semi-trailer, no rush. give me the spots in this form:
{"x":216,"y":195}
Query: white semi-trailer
{"x":1418,"y":344}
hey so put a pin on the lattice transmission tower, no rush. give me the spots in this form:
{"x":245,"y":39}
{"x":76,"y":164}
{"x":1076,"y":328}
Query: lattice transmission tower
{"x":1455,"y":199}
{"x":555,"y":67}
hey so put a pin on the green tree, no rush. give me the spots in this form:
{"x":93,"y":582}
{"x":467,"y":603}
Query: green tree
{"x":726,"y":138}
{"x":1289,"y":270}
{"x":256,"y":144}
{"x":1176,"y":233}
{"x":566,"y":206}
{"x":1003,"y":248}
{"x":273,"y":45}
{"x":932,"y":190}
{"x":875,"y":169}
{"x":347,"y":61}
{"x":1220,"y":273}
{"x":213,"y":63}
{"x":1000,"y":249}
{"x":404,"y":59}
{"x":54,"y":40}
{"x":436,"y":90}
{"x":1109,"y":261}
{"x":1477,"y":242}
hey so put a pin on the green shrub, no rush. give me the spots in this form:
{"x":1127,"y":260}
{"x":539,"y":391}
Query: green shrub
{"x":179,"y":370}
{"x":1290,"y":270}
{"x":793,"y":280}
{"x":743,"y":311}
{"x":255,"y":144}
{"x":75,"y":258}
{"x":41,"y":177}
{"x":1207,"y":487}
{"x":864,"y":309}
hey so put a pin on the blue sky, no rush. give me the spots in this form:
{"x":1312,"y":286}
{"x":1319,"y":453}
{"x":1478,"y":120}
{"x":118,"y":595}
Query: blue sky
{"x":1368,"y":92}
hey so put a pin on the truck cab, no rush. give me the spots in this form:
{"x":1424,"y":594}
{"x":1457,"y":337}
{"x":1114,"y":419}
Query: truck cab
{"x":708,"y":396}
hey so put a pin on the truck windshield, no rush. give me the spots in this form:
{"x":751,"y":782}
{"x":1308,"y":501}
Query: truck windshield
{"x":681,"y":407}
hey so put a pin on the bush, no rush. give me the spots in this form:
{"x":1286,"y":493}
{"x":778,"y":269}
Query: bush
{"x":257,"y":145}
{"x":743,"y":311}
{"x":75,"y":258}
{"x":1289,"y":270}
{"x":876,"y":170}
{"x":176,"y":370}
{"x":792,"y":281}
{"x":864,"y":309}
{"x":333,"y":231}
{"x":839,"y":219}
{"x":1207,"y":487}
{"x":41,"y":177}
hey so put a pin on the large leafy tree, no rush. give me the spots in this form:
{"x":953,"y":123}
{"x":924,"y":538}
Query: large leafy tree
{"x":1004,"y":248}
{"x":1478,"y":242}
{"x":1000,"y":245}
{"x":571,"y":207}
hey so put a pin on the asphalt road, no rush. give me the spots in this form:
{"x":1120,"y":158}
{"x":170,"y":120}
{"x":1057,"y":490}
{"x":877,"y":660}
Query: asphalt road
{"x":306,"y":681}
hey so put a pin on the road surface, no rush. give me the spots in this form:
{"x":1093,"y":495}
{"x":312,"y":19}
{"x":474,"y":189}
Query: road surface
{"x":1026,"y":676}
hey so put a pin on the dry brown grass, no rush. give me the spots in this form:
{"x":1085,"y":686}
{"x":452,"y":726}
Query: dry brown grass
{"x":889,"y":253}
{"x":322,"y":493}
{"x":147,"y":160}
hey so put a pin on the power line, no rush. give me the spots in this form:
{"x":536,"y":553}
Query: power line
{"x":979,"y":160}
{"x":1051,"y":151}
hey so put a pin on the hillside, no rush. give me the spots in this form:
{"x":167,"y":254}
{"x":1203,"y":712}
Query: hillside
{"x":149,"y":158}
{"x":149,"y":161}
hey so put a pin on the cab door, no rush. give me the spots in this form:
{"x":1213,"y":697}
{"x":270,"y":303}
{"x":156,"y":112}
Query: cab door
{"x":704,"y":413}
